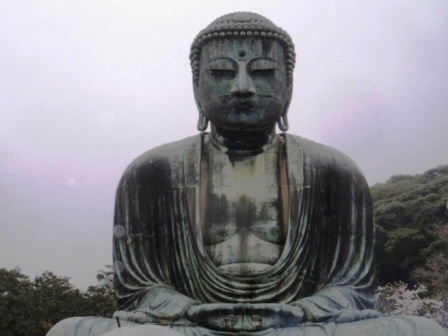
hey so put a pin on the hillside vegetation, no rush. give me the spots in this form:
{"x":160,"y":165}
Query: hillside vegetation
{"x":411,"y":217}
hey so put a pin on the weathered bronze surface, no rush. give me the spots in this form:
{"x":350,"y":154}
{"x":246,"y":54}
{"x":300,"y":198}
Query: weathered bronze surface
{"x":243,"y":230}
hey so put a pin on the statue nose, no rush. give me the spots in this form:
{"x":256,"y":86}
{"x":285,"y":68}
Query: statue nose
{"x":243,"y":85}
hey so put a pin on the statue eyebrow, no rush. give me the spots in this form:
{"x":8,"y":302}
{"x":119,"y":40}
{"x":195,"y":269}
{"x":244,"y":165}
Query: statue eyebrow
{"x":221,"y":58}
{"x":262,"y":58}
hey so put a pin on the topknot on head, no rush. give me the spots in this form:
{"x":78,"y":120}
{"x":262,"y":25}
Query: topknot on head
{"x":242,"y":24}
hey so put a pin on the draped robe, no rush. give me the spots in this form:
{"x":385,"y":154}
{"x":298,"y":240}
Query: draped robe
{"x":162,"y":267}
{"x":326,"y":267}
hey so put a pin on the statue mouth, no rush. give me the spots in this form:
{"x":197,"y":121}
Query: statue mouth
{"x":245,"y":105}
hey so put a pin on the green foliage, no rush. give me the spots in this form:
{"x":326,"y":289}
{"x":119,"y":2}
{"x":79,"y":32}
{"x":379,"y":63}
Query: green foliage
{"x":31,"y":308}
{"x":100,"y":299}
{"x":19,"y":315}
{"x":434,"y":273}
{"x":56,"y":297}
{"x":406,"y":208}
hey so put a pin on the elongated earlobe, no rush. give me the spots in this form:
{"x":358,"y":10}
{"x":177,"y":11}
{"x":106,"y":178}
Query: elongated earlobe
{"x":282,"y":123}
{"x":202,"y":122}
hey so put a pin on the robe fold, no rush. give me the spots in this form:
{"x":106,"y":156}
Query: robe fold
{"x":162,"y":267}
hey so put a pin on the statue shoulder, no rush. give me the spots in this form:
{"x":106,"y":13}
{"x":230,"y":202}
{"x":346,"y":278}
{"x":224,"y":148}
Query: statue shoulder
{"x":323,"y":156}
{"x":161,"y":158}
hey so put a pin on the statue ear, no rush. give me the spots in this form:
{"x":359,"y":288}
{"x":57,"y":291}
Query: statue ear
{"x":196,"y":95}
{"x":202,"y":121}
{"x":288,"y":99}
{"x":282,"y":122}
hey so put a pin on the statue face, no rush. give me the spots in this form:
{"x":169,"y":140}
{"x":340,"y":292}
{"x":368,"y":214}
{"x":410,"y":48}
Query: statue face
{"x":242,"y":83}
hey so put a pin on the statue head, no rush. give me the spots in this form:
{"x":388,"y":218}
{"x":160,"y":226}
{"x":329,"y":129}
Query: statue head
{"x":242,"y":73}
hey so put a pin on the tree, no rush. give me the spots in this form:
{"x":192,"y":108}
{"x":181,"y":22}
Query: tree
{"x":100,"y":299}
{"x":31,"y":308}
{"x":19,"y":314}
{"x":434,"y":273}
{"x":397,"y":299}
{"x":57,"y":298}
{"x":405,"y":209}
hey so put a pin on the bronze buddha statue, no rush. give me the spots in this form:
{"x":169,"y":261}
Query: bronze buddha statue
{"x":243,"y":230}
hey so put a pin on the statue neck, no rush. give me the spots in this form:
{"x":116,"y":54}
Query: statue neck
{"x":241,"y":140}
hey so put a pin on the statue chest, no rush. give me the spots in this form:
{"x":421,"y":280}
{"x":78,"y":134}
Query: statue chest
{"x":243,"y":226}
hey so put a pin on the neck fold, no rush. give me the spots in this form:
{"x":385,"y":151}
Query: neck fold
{"x":241,"y":140}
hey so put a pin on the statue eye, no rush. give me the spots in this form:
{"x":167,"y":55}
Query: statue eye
{"x":263,"y":68}
{"x":262,"y":72}
{"x":222,"y":73}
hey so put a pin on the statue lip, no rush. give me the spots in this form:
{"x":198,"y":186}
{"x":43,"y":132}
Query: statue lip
{"x":243,"y":103}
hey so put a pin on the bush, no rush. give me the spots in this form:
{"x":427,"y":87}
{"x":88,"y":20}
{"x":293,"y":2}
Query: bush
{"x":397,"y":299}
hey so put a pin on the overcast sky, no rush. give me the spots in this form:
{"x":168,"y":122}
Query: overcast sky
{"x":88,"y":85}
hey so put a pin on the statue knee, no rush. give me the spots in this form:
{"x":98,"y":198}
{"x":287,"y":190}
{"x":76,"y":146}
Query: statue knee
{"x":391,"y":326}
{"x":143,"y":330}
{"x":83,"y":326}
{"x":65,"y":327}
{"x":428,"y":327}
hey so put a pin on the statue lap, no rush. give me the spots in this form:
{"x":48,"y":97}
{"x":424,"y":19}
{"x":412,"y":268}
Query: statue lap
{"x":384,"y":326}
{"x":347,"y":323}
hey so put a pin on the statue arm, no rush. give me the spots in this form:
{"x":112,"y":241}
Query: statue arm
{"x":143,"y":246}
{"x":158,"y":305}
{"x":339,"y":305}
{"x":345,"y":253}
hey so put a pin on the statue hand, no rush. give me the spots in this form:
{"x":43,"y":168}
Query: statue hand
{"x":348,"y":315}
{"x":244,"y":316}
{"x":132,"y":316}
